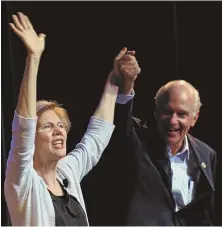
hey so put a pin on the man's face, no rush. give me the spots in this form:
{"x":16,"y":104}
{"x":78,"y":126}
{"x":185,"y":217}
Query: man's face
{"x":175,"y":116}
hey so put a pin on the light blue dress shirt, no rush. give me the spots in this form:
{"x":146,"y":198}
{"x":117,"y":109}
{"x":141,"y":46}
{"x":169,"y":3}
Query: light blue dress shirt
{"x":182,"y":185}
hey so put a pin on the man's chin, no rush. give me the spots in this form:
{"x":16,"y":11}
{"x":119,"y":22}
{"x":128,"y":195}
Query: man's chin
{"x":172,"y":141}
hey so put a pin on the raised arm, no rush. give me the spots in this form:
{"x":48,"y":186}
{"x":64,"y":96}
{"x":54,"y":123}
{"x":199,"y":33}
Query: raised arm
{"x":35,"y":44}
{"x":105,"y":109}
{"x":128,"y":70}
{"x":88,"y":152}
{"x":21,"y":153}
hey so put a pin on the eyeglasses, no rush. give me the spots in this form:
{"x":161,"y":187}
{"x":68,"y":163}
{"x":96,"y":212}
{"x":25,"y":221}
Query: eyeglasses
{"x":49,"y":126}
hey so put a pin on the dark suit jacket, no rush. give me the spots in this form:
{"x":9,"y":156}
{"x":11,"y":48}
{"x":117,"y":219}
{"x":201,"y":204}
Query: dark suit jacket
{"x":150,"y":200}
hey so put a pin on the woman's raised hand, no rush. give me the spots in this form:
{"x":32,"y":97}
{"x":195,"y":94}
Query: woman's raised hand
{"x":35,"y":44}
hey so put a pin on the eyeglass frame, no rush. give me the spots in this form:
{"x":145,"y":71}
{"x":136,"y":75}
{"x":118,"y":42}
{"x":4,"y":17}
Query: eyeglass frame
{"x":52,"y":126}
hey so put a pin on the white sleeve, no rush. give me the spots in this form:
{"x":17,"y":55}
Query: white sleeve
{"x":88,"y":152}
{"x":19,"y":168}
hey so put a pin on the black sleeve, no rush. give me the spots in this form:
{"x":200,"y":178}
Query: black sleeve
{"x":126,"y":125}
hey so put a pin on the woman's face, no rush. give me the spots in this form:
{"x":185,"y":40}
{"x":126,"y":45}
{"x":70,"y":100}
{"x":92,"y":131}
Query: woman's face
{"x":51,"y":136}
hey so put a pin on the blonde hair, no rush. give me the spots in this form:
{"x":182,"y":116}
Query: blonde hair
{"x":180,"y":83}
{"x":43,"y":105}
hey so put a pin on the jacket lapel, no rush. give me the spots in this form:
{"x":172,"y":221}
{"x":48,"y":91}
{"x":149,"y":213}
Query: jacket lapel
{"x":200,"y":170}
{"x":203,"y":160}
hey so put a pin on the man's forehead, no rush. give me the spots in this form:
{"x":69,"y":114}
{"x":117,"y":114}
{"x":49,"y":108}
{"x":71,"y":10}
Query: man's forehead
{"x":179,"y":93}
{"x":181,"y":100}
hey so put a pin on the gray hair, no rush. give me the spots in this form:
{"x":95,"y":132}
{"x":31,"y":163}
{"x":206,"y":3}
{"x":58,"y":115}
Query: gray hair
{"x":165,"y":88}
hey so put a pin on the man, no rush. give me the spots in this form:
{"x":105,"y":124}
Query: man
{"x":172,"y":181}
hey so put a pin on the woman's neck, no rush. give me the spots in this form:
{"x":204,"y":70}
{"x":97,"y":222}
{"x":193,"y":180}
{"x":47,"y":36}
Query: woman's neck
{"x":47,"y":172}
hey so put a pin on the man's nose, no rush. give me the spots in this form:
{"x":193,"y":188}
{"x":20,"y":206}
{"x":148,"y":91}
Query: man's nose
{"x":174,"y":119}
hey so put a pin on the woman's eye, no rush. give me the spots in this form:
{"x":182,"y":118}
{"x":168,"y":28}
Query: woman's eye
{"x":46,"y":126}
{"x":61,"y":125}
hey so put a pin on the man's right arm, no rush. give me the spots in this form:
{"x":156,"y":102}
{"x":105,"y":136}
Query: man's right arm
{"x":123,"y":117}
{"x":127,"y":69}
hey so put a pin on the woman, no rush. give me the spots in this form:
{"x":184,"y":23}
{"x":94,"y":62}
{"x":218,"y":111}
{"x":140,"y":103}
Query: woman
{"x":42,"y":185}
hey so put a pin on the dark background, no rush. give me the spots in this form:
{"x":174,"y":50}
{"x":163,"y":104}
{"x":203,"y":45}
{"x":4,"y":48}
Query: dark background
{"x":172,"y":40}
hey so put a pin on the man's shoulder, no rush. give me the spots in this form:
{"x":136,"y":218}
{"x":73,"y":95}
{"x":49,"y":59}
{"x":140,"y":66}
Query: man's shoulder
{"x":138,"y":123}
{"x":146,"y":131}
{"x":201,"y":144}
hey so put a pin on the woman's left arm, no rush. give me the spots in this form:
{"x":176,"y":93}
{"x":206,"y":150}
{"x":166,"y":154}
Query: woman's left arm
{"x":99,"y":131}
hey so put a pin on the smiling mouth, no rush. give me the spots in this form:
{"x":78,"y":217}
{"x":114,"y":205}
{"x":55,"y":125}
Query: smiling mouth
{"x":172,"y":132}
{"x":58,"y":144}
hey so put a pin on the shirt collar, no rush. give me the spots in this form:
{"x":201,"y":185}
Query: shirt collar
{"x":184,"y":149}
